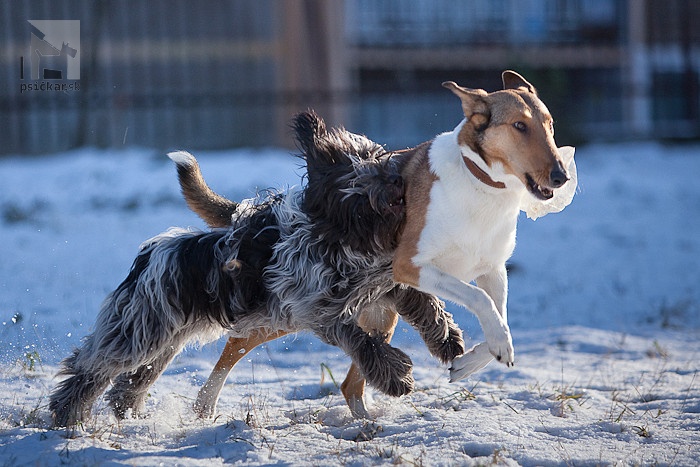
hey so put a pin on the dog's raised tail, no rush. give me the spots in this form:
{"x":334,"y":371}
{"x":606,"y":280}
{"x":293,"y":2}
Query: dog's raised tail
{"x":214,"y":209}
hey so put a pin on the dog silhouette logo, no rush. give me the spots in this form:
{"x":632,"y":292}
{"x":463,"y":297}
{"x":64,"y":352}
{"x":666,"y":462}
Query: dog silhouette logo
{"x":54,"y":52}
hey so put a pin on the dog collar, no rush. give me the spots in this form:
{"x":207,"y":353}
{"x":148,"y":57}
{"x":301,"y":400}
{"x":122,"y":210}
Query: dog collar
{"x":481,"y":175}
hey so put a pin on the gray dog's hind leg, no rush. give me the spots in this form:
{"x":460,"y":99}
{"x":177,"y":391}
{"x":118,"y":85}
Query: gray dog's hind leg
{"x":71,"y":401}
{"x":130,"y":389}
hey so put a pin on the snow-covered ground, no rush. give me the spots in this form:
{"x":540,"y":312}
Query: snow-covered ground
{"x":604,"y":311}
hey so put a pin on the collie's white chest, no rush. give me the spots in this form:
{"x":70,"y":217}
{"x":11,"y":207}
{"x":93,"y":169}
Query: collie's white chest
{"x":466,"y":240}
{"x":469,"y":227}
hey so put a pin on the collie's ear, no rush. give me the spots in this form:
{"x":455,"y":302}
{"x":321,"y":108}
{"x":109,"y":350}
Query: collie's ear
{"x":513,"y":80}
{"x":474,"y":104}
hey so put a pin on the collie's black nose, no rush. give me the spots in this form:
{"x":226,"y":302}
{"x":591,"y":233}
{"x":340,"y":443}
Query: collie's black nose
{"x":557,"y":178}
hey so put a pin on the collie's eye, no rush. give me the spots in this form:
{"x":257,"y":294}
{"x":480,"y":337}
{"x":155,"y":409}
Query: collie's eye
{"x":520,"y":126}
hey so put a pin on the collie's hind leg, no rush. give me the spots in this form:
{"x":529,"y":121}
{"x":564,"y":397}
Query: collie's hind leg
{"x":236,"y":348}
{"x":353,"y":388}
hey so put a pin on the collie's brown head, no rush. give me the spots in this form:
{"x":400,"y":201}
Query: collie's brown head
{"x":513,"y":127}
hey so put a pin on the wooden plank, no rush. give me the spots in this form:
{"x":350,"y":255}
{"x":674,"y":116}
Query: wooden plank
{"x":486,"y":57}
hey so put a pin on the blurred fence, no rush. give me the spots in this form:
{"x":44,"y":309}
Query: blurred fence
{"x":183,"y":74}
{"x":448,"y":22}
{"x":165,"y":73}
{"x":608,"y":69}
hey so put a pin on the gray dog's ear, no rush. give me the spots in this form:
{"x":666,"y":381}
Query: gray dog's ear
{"x":513,"y":80}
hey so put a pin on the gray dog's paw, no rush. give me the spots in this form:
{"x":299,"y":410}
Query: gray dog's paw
{"x":450,"y":348}
{"x":387,"y":369}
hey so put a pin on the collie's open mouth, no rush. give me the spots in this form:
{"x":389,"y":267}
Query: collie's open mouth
{"x":539,"y":191}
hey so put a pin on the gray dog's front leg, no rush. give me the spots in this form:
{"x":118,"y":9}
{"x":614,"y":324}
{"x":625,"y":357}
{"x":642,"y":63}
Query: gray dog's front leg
{"x":385,"y":368}
{"x":426,"y":313}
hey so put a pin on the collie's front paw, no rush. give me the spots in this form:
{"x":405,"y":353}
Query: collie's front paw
{"x":472,"y":361}
{"x":500,"y":343}
{"x":503,"y":351}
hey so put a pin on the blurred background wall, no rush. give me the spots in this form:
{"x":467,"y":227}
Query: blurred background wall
{"x":220,"y":74}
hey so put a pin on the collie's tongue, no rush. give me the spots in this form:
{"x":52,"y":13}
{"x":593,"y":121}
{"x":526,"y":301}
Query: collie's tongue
{"x":535,"y":208}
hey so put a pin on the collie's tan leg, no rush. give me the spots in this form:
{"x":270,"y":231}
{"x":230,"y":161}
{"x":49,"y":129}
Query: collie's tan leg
{"x":353,"y":388}
{"x":236,"y":348}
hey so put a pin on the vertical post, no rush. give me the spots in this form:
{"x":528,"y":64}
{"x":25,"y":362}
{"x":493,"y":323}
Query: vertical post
{"x":637,"y":72}
{"x":690,"y":80}
{"x":338,"y":78}
{"x":312,"y":68}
